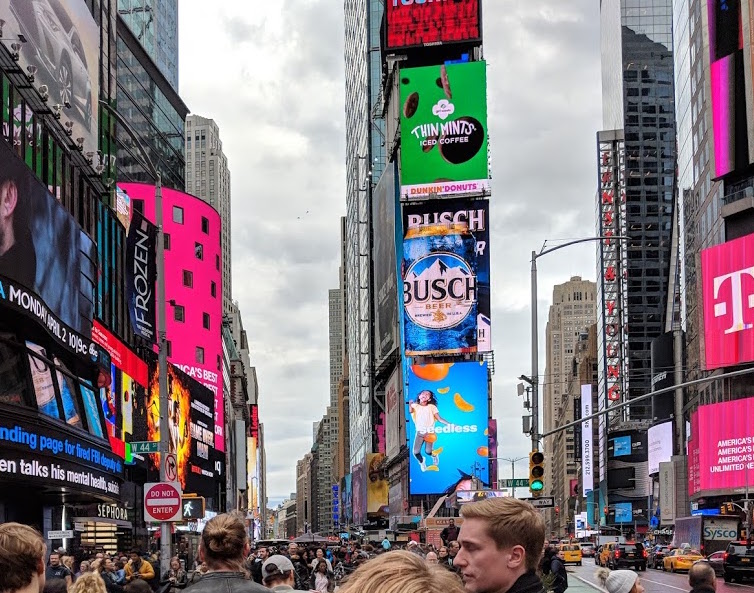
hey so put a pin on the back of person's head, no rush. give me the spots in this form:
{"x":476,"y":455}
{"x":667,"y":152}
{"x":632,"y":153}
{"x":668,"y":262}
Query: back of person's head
{"x":22,"y":552}
{"x":278,"y":570}
{"x":702,"y":573}
{"x":89,"y":582}
{"x":511,"y":522}
{"x":224,"y":541}
{"x":389,"y":573}
{"x":617,"y":581}
{"x":55,"y":586}
{"x":137,"y":586}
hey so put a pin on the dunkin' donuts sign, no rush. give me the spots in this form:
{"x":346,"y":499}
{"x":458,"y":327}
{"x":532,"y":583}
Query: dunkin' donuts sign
{"x":444,"y":130}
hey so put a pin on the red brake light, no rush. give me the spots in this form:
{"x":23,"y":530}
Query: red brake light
{"x":645,"y":554}
{"x":725,"y":557}
{"x":617,"y":553}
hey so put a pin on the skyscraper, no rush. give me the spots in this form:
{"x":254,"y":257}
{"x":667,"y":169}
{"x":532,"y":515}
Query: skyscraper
{"x":155,"y":24}
{"x":572,"y":311}
{"x":208,"y":178}
{"x":365,"y":159}
{"x":636,"y":197}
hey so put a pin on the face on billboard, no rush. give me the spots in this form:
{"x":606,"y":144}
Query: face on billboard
{"x":446,"y":277}
{"x":444,"y":130}
{"x":447,"y":420}
{"x":728,"y":292}
{"x":415,"y":22}
{"x":42,"y":250}
{"x":724,"y":457}
{"x":62,"y":43}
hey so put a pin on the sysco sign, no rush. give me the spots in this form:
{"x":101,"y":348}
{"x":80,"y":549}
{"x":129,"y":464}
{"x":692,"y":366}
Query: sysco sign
{"x":728,"y":291}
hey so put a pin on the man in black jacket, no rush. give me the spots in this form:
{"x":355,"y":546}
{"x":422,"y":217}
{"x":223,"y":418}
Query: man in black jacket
{"x":702,"y":577}
{"x":450,"y":533}
{"x":501,"y":545}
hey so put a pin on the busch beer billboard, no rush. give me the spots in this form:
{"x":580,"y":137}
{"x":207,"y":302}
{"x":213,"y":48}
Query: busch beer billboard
{"x":728,"y":293}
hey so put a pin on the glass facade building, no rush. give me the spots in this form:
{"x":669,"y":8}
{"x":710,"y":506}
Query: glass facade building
{"x":154,"y":23}
{"x":155,"y":112}
{"x":639,"y":97}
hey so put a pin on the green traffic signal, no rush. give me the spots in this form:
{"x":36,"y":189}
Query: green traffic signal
{"x":536,"y":472}
{"x":536,"y":485}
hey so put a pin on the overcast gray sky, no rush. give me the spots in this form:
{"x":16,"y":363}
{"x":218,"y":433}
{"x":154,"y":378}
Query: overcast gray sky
{"x":273,"y":79}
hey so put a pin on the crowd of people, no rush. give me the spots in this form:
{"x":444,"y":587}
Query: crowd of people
{"x":499,"y":549}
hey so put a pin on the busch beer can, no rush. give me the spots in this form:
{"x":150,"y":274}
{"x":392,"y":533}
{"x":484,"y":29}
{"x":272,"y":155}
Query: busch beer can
{"x":440,"y":290}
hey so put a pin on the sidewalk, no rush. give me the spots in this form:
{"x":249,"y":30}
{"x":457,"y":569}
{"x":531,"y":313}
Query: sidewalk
{"x":577,"y":584}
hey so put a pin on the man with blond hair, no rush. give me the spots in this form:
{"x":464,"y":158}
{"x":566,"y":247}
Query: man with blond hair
{"x":501,"y":545}
{"x":22,"y":559}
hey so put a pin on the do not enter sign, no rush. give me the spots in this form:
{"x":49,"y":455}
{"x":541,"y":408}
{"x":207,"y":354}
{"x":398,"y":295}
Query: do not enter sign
{"x":162,"y":501}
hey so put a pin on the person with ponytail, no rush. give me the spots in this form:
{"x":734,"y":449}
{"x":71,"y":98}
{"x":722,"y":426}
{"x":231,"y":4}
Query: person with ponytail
{"x":224,"y":547}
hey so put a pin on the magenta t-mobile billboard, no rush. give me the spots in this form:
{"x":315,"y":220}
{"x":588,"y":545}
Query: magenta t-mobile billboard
{"x":193,"y":287}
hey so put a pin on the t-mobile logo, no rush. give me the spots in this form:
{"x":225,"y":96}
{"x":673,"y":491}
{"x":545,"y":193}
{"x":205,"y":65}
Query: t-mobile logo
{"x":738,"y":300}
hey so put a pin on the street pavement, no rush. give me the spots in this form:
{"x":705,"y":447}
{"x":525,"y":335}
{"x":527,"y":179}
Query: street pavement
{"x":654,"y":581}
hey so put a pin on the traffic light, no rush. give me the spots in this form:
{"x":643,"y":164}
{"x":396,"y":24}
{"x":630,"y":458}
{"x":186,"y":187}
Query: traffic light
{"x":536,"y":473}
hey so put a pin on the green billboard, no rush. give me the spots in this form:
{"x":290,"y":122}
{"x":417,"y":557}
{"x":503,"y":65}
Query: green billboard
{"x":444,"y":130}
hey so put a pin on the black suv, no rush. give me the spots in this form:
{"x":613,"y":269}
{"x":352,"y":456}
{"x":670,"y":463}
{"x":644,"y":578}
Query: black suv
{"x":656,"y":556}
{"x":630,"y":554}
{"x":738,"y":561}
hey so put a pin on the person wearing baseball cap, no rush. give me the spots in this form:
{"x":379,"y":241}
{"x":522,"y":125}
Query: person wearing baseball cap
{"x":619,"y":581}
{"x":278,"y":573}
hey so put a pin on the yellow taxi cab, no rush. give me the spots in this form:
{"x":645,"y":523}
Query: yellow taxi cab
{"x":681,"y":559}
{"x":605,"y":553}
{"x":571,"y":553}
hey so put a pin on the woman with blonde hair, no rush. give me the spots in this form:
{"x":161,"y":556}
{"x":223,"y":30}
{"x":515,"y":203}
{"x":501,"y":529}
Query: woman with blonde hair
{"x":89,"y":582}
{"x":401,"y":572}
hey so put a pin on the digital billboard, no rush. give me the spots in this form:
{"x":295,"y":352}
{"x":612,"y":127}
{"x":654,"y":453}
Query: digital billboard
{"x":660,"y":445}
{"x":446,"y":277}
{"x":384,"y":199}
{"x":377,"y":487}
{"x":47,"y":262}
{"x":728,"y":299}
{"x":190,"y":426}
{"x":447,"y":407}
{"x":359,"y":493}
{"x":141,"y":276}
{"x":724,"y":458}
{"x":466,"y":496}
{"x":413,"y":23}
{"x":444,"y":130}
{"x":624,"y":512}
{"x":728,"y":86}
{"x":61,"y":41}
{"x":346,"y":500}
{"x":193,"y":287}
{"x":395,"y":433}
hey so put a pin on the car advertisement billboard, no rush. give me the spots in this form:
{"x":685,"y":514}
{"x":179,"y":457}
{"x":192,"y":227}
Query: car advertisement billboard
{"x":413,"y":23}
{"x":444,"y":130}
{"x":384,"y":201}
{"x":724,"y":458}
{"x":190,"y":426}
{"x":193,"y":287}
{"x":446,"y":277}
{"x":728,"y":296}
{"x":61,"y":45}
{"x":377,"y":487}
{"x":447,"y":407}
{"x":47,"y":262}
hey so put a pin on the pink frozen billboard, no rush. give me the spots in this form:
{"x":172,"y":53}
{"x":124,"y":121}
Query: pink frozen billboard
{"x":728,"y":292}
{"x":724,"y":458}
{"x":193,"y":287}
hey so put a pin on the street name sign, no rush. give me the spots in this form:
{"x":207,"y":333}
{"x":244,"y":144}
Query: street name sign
{"x":145,"y":447}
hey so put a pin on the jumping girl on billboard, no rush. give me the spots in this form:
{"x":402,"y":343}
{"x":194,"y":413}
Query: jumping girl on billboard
{"x":425,"y":415}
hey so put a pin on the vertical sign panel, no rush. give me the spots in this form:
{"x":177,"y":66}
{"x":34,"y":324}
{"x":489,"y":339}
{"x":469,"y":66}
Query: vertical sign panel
{"x":587,"y":463}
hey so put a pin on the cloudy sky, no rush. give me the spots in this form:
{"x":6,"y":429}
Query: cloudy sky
{"x":273,"y":79}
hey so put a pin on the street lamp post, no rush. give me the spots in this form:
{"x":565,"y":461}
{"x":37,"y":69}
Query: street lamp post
{"x":513,"y":470}
{"x":162,"y":352}
{"x":535,"y":333}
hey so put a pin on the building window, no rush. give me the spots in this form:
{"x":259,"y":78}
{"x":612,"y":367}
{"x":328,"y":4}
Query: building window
{"x":177,"y":215}
{"x":199,"y":250}
{"x":205,"y":225}
{"x":188,"y":278}
{"x":139,"y":206}
{"x":169,"y":347}
{"x":166,"y":241}
{"x":179,"y":313}
{"x":199,"y":355}
{"x":205,"y":320}
{"x":213,"y":289}
{"x":217,"y":262}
